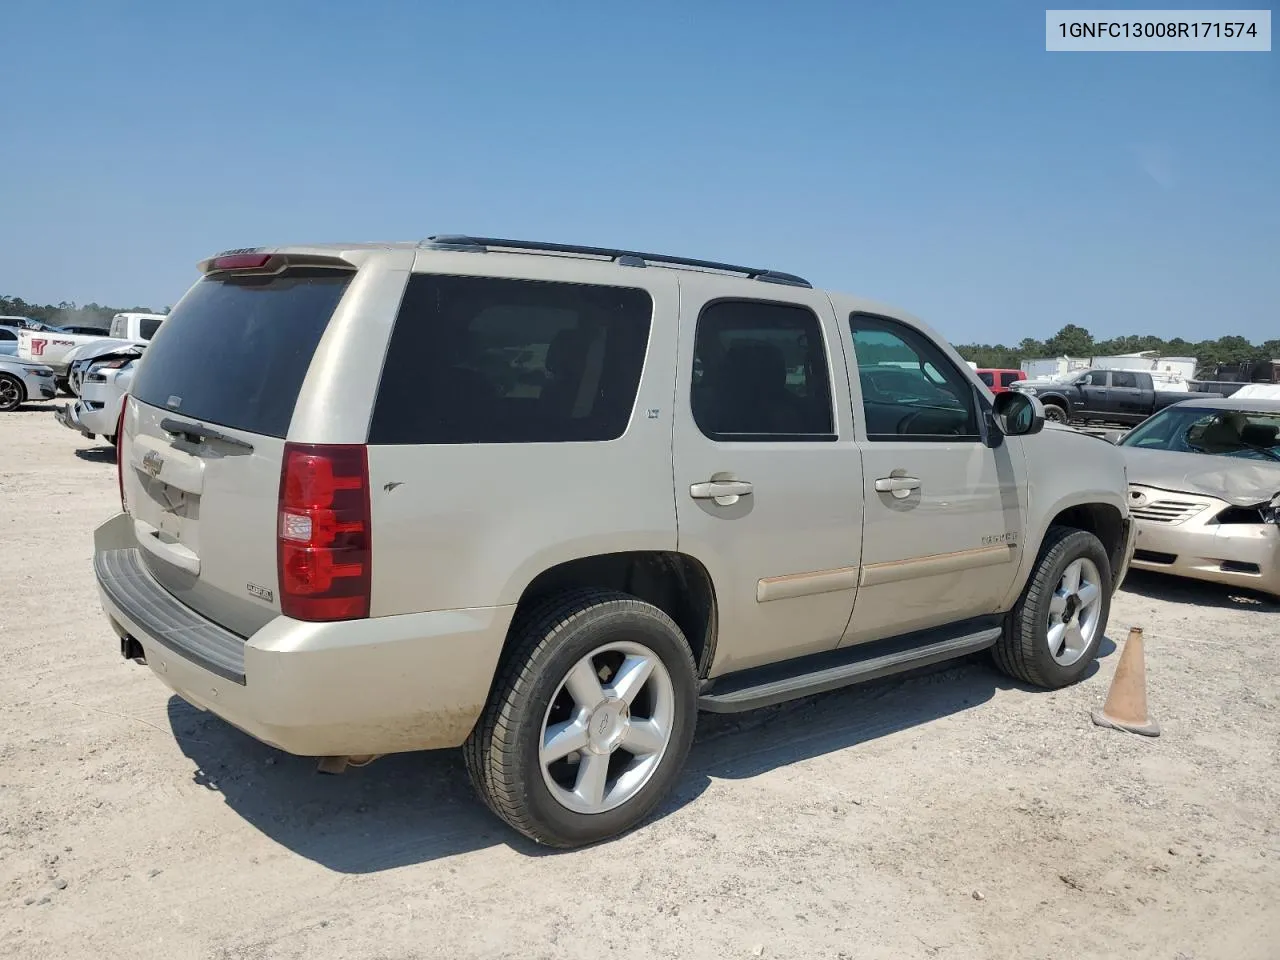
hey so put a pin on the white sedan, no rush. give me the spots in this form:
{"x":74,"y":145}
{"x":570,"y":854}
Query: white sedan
{"x":102,"y":393}
{"x":21,"y":380}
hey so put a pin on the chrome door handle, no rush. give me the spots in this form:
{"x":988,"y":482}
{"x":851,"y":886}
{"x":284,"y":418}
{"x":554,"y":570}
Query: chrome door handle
{"x":900,"y":487}
{"x":723,"y":492}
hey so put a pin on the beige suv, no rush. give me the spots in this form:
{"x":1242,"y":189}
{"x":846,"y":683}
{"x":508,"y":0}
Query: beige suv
{"x":546,"y":502}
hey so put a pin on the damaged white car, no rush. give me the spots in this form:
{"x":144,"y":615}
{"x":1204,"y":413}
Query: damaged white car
{"x":1204,"y":487}
{"x":102,"y":393}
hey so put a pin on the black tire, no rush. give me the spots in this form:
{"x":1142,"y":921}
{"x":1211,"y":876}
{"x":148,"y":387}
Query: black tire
{"x":1023,"y":649}
{"x":12,"y":392}
{"x":1055,"y":413}
{"x":502,"y":753}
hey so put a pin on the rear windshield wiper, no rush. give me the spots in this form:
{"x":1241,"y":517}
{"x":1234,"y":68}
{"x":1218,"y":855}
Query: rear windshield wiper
{"x":197,"y":431}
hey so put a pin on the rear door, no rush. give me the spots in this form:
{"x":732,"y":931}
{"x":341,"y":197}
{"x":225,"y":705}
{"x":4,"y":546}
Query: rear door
{"x":768,"y":478}
{"x":205,"y":430}
{"x":1125,"y":396}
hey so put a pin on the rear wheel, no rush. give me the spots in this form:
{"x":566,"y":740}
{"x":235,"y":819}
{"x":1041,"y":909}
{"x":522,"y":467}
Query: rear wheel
{"x":1052,"y":635}
{"x":1055,"y":413}
{"x":12,"y":392}
{"x":589,"y":721}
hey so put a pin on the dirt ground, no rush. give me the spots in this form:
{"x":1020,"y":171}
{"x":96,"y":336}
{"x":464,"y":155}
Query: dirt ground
{"x":953,"y":814}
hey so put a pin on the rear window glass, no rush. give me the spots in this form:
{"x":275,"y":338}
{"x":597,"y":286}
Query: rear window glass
{"x":235,"y":351}
{"x":148,"y":327}
{"x":484,"y":360}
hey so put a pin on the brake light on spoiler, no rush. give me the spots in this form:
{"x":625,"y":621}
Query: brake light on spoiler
{"x":240,"y":261}
{"x":324,"y":547}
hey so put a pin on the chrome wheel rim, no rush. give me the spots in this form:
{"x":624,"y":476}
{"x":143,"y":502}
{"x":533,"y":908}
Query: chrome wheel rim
{"x":1075,"y":612}
{"x":607,"y":728}
{"x":9,"y":396}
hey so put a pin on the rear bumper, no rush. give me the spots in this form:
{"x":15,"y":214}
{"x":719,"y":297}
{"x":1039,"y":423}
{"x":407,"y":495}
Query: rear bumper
{"x":69,"y":415}
{"x":1236,"y":554}
{"x":381,"y":685}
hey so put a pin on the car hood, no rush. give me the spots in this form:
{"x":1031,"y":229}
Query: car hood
{"x":96,"y":348}
{"x":1244,"y":483}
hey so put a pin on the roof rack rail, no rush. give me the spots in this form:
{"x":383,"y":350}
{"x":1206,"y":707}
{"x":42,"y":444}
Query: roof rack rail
{"x":626,"y":258}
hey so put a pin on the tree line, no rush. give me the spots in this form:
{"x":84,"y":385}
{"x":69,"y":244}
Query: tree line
{"x":67,"y":314}
{"x":1076,"y":341}
{"x":1070,"y":341}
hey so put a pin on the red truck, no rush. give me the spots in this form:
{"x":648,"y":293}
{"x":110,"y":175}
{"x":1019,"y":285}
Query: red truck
{"x":999,"y":380}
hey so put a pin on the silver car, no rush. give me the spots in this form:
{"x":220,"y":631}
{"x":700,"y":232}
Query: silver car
{"x":1204,"y":488}
{"x":22,"y":381}
{"x":546,"y":502}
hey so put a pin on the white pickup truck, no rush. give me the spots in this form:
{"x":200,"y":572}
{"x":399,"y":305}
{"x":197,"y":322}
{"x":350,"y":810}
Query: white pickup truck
{"x":54,"y":348}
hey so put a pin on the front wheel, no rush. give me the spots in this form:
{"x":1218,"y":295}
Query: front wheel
{"x":589,"y":721}
{"x":1055,"y":413}
{"x":1052,"y":635}
{"x":12,"y":393}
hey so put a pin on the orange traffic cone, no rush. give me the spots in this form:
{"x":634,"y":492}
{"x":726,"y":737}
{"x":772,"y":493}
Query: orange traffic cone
{"x":1126,"y":706}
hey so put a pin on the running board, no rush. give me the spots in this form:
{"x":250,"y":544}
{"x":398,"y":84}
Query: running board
{"x":818,"y":673}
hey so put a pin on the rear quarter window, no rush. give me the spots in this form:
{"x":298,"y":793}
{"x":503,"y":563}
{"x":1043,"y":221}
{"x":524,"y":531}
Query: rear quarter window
{"x":235,"y":350}
{"x":492,"y":360}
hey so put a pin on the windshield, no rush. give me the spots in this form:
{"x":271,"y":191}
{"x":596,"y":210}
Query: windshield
{"x":1224,"y":433}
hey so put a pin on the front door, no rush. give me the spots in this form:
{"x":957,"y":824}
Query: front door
{"x":768,"y":474}
{"x":1093,"y":392}
{"x":943,"y":510}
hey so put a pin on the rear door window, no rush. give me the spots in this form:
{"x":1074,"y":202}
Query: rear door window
{"x":492,"y":360}
{"x":760,"y":373}
{"x":987,"y":378}
{"x":235,"y":350}
{"x":147,"y":327}
{"x":1121,"y":379}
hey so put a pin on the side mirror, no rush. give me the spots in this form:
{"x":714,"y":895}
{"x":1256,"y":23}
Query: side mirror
{"x":1018,"y":414}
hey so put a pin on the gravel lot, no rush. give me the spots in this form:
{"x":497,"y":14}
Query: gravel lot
{"x":952,"y":815}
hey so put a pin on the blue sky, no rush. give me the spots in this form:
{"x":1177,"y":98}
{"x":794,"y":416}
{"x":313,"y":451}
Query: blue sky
{"x":930,"y":154}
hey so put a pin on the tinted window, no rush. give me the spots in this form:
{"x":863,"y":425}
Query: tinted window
{"x":235,"y":350}
{"x":1008,"y":379}
{"x":1095,"y":379}
{"x":483,"y":360}
{"x":148,"y":327}
{"x":8,"y":335}
{"x":760,"y":373}
{"x":987,"y":378}
{"x":910,"y":390}
{"x":1121,"y":379}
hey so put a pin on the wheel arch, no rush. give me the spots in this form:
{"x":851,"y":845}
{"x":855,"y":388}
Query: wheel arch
{"x":674,"y":582}
{"x":1055,"y":399}
{"x":1102,"y":513}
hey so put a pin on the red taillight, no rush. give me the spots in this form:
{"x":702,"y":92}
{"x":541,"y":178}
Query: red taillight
{"x":124,"y":405}
{"x":240,"y":261}
{"x":323,"y":533}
